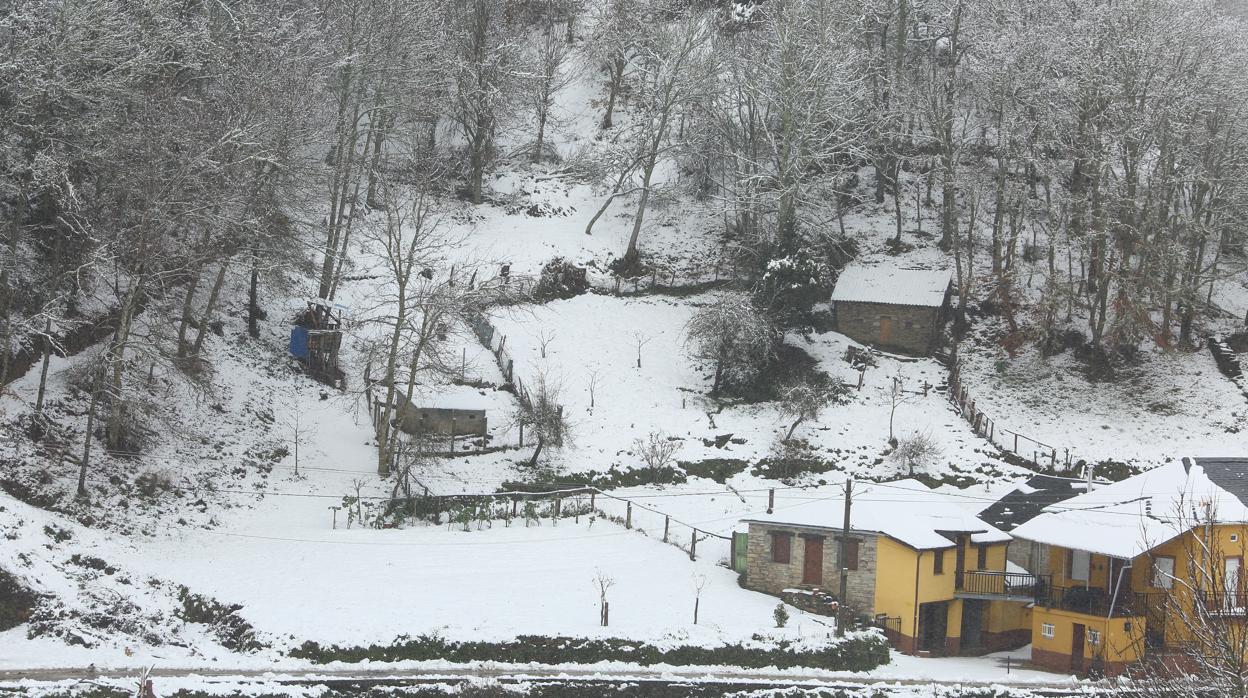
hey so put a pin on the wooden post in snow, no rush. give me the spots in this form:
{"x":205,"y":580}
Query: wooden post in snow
{"x":628,"y":516}
{"x":667,"y":522}
{"x":693,"y":545}
{"x":771,"y":500}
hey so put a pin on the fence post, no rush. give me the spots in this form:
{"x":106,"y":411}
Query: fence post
{"x":558,"y":507}
{"x":1053,"y":461}
{"x":592,"y":495}
{"x":452,"y":448}
{"x":515,"y":506}
{"x":667,"y":522}
{"x":693,"y":545}
{"x":628,"y":516}
{"x":1016,"y":442}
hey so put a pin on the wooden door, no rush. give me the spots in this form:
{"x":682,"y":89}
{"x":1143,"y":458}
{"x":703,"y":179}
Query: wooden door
{"x":812,"y":562}
{"x":1078,"y":635}
{"x":886,"y":329}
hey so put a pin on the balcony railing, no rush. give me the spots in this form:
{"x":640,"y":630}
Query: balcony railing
{"x":1098,"y":602}
{"x":1225,"y":603}
{"x":1004,"y":584}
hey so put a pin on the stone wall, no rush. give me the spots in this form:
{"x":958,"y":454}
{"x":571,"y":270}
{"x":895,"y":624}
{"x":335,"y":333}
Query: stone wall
{"x":914,"y":329}
{"x":774,"y":577}
{"x":1031,"y":556}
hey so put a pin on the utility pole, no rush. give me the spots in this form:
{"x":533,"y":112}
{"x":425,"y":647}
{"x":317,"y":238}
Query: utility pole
{"x":843,"y":557}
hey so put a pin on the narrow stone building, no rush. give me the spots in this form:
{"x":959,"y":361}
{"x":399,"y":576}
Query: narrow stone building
{"x":892,"y":307}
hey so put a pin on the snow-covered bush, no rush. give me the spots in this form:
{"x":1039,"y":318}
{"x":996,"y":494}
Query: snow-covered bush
{"x":560,"y":279}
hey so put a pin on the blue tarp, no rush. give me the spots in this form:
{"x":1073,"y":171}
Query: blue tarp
{"x":299,"y":342}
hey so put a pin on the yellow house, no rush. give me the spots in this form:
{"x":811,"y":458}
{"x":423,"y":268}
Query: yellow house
{"x":919,"y":562}
{"x":1136,"y":567}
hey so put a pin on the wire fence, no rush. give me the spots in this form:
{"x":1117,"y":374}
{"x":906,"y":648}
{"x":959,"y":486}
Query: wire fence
{"x":1031,"y":450}
{"x":670,"y":279}
{"x":515,"y":508}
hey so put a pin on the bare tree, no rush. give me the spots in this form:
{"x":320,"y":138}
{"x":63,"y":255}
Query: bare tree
{"x":918,"y":450}
{"x":549,"y":65}
{"x":699,"y":583}
{"x":603,"y":584}
{"x":542,"y":413}
{"x":657,"y":450}
{"x":640,"y":340}
{"x":485,"y":57}
{"x":896,"y":395}
{"x":803,"y":402}
{"x":733,"y":335}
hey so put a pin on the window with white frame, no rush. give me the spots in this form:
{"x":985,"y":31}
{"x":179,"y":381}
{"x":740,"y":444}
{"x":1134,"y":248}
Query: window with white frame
{"x":1094,"y":637}
{"x":1163,"y":572}
{"x":1047,"y":630}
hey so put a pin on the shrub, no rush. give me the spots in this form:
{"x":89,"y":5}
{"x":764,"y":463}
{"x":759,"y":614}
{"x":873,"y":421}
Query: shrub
{"x":560,"y":279}
{"x":781,"y":614}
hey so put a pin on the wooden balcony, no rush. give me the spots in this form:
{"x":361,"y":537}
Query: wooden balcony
{"x":1005,"y":586}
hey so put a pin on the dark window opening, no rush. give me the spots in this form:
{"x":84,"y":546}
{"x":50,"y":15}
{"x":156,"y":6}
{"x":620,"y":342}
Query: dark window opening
{"x":780,"y":544}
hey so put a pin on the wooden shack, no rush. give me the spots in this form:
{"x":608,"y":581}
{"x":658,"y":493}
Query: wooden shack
{"x":892,"y":307}
{"x":316,"y":339}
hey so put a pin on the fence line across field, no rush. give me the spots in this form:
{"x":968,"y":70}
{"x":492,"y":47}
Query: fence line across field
{"x":563,"y":503}
{"x":987,"y":427}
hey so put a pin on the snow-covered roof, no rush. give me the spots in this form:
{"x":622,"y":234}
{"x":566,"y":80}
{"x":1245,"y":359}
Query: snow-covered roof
{"x":907,"y":511}
{"x":883,"y":283}
{"x":1128,"y":518}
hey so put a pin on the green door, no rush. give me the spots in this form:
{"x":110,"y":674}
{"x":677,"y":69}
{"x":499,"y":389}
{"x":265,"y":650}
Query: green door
{"x":740,"y":546}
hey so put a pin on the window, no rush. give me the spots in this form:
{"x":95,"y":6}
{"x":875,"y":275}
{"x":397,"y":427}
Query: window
{"x":1047,"y":630}
{"x":983,"y":556}
{"x":938,"y":566}
{"x":1163,"y":572}
{"x":1094,"y":637}
{"x":1078,"y":564}
{"x":851,"y":555}
{"x":780,"y":544}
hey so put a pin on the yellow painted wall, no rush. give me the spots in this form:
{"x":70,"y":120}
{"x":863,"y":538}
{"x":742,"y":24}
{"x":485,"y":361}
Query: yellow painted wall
{"x":894,"y":581}
{"x":895,"y":584}
{"x":1004,"y":616}
{"x":1188,"y":549}
{"x":1121,"y":638}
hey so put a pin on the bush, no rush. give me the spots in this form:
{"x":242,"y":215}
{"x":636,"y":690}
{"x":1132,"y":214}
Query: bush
{"x":231,"y":630}
{"x":781,"y":615}
{"x":560,"y":279}
{"x":16,"y":602}
{"x":859,"y":652}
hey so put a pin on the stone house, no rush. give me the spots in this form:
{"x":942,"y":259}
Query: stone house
{"x":920,"y":564}
{"x":891,"y":307}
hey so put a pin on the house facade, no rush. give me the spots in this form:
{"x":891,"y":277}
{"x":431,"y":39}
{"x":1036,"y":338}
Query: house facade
{"x":891,"y":307}
{"x":927,"y":570}
{"x":1140,"y":569}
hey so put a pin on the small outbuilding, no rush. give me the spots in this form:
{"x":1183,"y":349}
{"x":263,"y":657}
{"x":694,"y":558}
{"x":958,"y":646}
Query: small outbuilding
{"x":892,"y":307}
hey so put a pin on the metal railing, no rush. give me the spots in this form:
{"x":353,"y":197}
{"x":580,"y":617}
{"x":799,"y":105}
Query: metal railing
{"x":1097,"y":602}
{"x":1018,"y":584}
{"x":1225,"y":603}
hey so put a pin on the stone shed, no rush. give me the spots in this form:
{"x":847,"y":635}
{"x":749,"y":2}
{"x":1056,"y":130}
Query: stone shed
{"x":892,"y":307}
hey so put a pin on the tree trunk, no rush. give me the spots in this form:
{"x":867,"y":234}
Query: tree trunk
{"x":253,"y":302}
{"x":187,"y":304}
{"x":613,"y":87}
{"x":86,"y":445}
{"x":210,"y":308}
{"x":43,"y":370}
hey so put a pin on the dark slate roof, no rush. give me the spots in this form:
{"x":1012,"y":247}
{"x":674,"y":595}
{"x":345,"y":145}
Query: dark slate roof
{"x":1019,"y":507}
{"x":1231,"y":474}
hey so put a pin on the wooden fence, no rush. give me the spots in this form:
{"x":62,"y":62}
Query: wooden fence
{"x":521,"y":506}
{"x":1036,"y":452}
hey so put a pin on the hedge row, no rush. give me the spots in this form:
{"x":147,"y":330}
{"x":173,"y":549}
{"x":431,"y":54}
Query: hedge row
{"x":861,"y":652}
